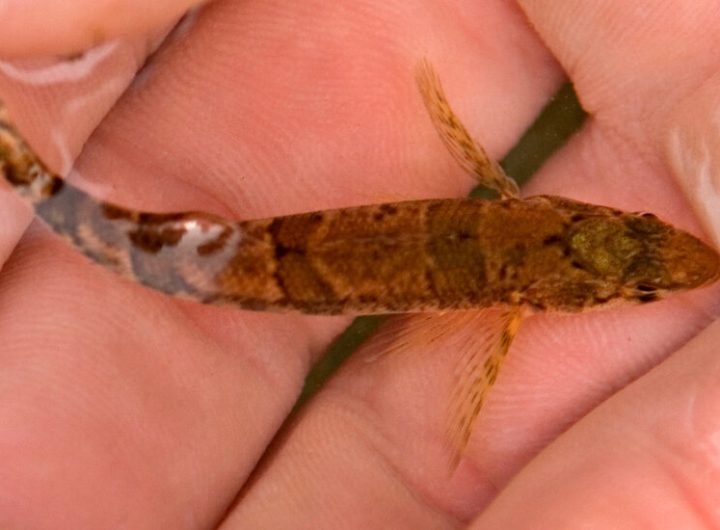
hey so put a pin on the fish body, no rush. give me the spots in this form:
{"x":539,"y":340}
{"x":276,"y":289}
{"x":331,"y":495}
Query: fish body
{"x":544,"y":252}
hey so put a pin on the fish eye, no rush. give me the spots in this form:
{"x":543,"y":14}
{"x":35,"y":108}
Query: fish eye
{"x":646,"y":293}
{"x":645,"y":288}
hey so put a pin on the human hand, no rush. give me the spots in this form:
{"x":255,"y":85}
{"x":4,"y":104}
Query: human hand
{"x":133,"y":408}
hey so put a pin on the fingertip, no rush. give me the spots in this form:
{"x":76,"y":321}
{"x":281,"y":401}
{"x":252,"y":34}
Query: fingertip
{"x":647,"y":458}
{"x":56,"y":27}
{"x":691,"y":144}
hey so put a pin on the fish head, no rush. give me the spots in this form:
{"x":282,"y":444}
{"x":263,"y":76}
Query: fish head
{"x":643,"y":255}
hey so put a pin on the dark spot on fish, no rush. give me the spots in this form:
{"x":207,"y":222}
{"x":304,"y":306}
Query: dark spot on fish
{"x":388,"y":209}
{"x":502,"y":273}
{"x":214,"y":245}
{"x":367,"y":299}
{"x":281,"y":251}
{"x":152,"y":240}
{"x":648,"y":297}
{"x":316,"y":217}
{"x":601,"y":299}
{"x":111,"y":212}
{"x":647,"y":293}
{"x":539,"y":306}
{"x":54,"y":187}
{"x":552,"y":240}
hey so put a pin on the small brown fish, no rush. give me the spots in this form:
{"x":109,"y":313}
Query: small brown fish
{"x":542,"y":253}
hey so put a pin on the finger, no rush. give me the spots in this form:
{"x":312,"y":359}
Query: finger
{"x":691,"y":151}
{"x":619,"y":56}
{"x":381,"y":420}
{"x":124,"y":405}
{"x":648,"y":82}
{"x":648,"y":458}
{"x":58,"y":103}
{"x":54,"y":27}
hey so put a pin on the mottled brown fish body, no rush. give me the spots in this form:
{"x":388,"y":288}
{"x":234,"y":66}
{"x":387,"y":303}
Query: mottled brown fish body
{"x":544,"y":252}
{"x":409,"y":256}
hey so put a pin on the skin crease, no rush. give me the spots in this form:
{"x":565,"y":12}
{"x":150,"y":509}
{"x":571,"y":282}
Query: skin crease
{"x":137,"y":409}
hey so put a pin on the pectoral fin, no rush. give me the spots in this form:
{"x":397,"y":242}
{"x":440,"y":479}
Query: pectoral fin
{"x":478,"y":341}
{"x":476,"y":373}
{"x":468,"y":152}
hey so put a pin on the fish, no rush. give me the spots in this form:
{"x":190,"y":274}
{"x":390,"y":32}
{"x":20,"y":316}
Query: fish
{"x":509,"y":257}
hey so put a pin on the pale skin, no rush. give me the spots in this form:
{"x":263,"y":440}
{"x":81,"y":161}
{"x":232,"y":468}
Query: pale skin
{"x":133,"y":407}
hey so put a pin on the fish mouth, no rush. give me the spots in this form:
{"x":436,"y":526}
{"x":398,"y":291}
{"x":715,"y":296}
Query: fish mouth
{"x":691,"y":262}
